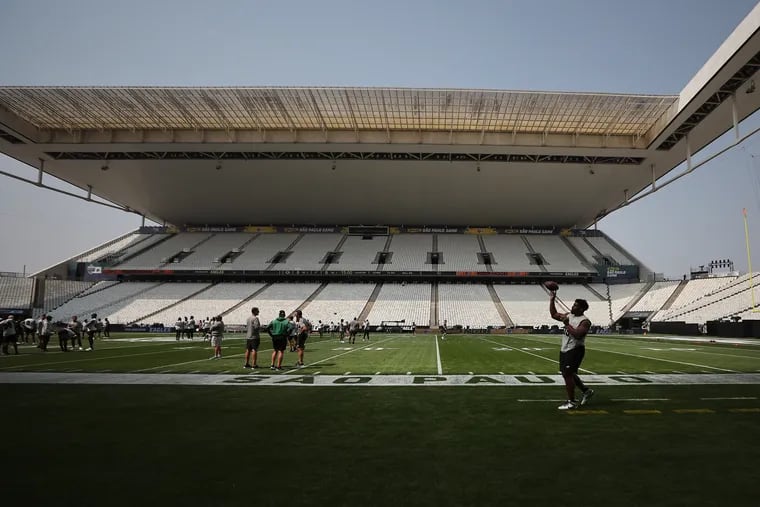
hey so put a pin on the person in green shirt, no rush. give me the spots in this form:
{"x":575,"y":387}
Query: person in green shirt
{"x":279,"y":329}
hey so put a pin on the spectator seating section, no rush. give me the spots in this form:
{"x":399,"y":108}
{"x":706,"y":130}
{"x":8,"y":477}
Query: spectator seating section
{"x":278,"y":296}
{"x":97,"y":301}
{"x":690,"y":296}
{"x":620,"y":295}
{"x":410,"y":252}
{"x":111,"y":247}
{"x":409,"y":302}
{"x":467,"y":305}
{"x":138,"y":246}
{"x":460,"y":252}
{"x":156,"y":257}
{"x":584,"y":249}
{"x":358,"y":254}
{"x":610,"y":250}
{"x":206,"y":253}
{"x":339,"y":301}
{"x":149,"y":301}
{"x":257,"y":254}
{"x":509,"y":253}
{"x":527,"y":305}
{"x":655,"y":297}
{"x":58,"y":292}
{"x":209,"y":303}
{"x":309,"y":252}
{"x":16,"y":292}
{"x":731,"y":298}
{"x":557,"y":255}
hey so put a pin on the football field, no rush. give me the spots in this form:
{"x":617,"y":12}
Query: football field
{"x":398,"y":420}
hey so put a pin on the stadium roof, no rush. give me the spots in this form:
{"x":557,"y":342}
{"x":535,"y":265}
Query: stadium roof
{"x":376,"y":155}
{"x":384,"y":109}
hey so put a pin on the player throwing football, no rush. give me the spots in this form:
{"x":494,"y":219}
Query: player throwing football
{"x":573,"y":349}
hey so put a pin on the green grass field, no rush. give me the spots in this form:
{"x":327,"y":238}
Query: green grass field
{"x":474,"y":424}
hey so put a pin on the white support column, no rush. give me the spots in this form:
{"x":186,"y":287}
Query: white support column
{"x":89,"y":192}
{"x":41,"y":172}
{"x":688,"y":154}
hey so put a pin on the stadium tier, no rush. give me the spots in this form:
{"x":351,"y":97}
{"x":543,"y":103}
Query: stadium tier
{"x":473,"y":278}
{"x":241,"y":252}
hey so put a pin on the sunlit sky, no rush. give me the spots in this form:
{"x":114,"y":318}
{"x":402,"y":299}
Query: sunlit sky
{"x":649,"y":47}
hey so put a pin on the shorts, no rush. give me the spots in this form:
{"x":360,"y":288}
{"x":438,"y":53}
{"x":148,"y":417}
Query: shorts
{"x":302,"y":337}
{"x":10,"y":339}
{"x":252,"y":344}
{"x":279,"y":343}
{"x":570,"y":361}
{"x":216,"y":341}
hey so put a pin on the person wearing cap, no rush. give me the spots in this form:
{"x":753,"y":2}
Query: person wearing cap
{"x":279,"y":330}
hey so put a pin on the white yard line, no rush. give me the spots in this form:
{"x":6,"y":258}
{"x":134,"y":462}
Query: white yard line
{"x":339,"y":355}
{"x":261,"y":351}
{"x":531,"y":354}
{"x":656,"y":359}
{"x":100,"y":358}
{"x":438,"y":356}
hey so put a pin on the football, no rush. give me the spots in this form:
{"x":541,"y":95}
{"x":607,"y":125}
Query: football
{"x":551,"y":286}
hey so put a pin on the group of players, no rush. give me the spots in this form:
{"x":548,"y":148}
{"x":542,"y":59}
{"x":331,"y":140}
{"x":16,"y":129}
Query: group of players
{"x":39,"y":331}
{"x":292,"y":331}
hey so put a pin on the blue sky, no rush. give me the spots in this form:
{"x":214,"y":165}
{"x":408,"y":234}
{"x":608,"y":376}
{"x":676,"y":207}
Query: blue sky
{"x":597,"y":46}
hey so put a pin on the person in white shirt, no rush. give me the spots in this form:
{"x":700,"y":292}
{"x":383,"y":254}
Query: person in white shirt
{"x":573,"y":349}
{"x":303,"y":328}
{"x":252,"y":339}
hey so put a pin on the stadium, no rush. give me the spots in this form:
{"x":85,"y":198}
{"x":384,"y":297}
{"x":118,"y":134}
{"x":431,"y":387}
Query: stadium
{"x":533,"y":173}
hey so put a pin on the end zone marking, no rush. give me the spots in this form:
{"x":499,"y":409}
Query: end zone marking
{"x":693,"y":411}
{"x":642,"y":412}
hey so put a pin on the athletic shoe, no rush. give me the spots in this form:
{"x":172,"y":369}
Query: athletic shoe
{"x":255,"y":366}
{"x":247,"y":366}
{"x":587,"y":396}
{"x":272,"y":367}
{"x":279,"y":368}
{"x":568,"y":405}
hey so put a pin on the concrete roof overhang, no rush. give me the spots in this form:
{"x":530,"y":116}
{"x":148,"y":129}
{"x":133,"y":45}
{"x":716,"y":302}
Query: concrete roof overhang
{"x":376,"y":155}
